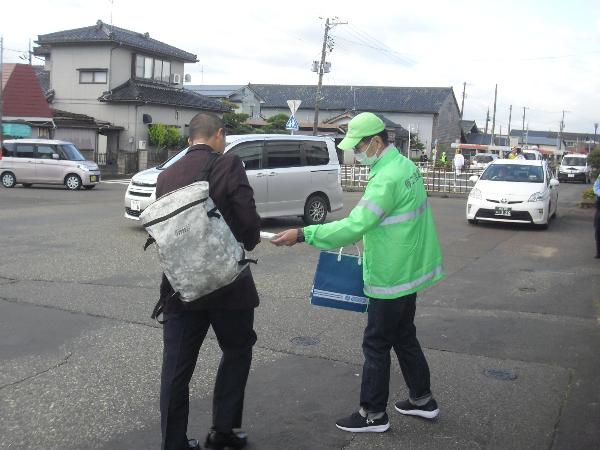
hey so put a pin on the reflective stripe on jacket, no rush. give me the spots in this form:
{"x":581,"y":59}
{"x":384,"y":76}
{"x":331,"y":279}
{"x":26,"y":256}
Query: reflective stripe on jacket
{"x":402,"y":254}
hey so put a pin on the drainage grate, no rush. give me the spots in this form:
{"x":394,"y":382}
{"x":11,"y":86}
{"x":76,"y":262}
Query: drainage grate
{"x":305,"y":341}
{"x":500,"y":374}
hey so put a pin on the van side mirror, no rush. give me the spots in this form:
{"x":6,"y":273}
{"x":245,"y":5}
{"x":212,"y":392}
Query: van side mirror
{"x":55,"y":156}
{"x":473,"y":178}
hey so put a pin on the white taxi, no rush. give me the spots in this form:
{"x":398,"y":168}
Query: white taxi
{"x":517,"y":190}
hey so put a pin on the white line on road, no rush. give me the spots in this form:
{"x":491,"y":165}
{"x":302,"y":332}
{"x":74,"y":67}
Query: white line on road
{"x":126,"y":182}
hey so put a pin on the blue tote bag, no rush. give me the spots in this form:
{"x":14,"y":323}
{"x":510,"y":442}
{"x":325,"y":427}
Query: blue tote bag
{"x":338,"y":282}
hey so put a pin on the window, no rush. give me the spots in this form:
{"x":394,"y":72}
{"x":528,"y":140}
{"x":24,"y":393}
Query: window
{"x":157,"y":69}
{"x":250,"y":153}
{"x":139,"y":66}
{"x":283,"y":154}
{"x":71,"y":153}
{"x":45,"y":151}
{"x":92,"y":76}
{"x":8,"y":149}
{"x":317,"y":153}
{"x":150,"y":68}
{"x":24,"y":151}
{"x":166,"y":71}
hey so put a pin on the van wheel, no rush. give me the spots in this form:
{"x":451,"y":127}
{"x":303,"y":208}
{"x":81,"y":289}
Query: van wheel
{"x":91,"y":186}
{"x":8,"y":180}
{"x":472,"y":221}
{"x":315,"y":210}
{"x":73,"y":182}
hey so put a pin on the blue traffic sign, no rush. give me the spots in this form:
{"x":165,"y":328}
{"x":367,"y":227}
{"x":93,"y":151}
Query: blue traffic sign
{"x":292,"y":124}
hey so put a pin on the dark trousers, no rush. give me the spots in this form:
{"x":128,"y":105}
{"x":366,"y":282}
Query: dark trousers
{"x":597,"y":225}
{"x":391,"y":325}
{"x":183,"y":334}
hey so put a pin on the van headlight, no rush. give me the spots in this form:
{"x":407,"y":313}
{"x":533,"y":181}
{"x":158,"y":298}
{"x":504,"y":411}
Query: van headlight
{"x":82,"y":167}
{"x":475,"y":194}
{"x":537,"y":197}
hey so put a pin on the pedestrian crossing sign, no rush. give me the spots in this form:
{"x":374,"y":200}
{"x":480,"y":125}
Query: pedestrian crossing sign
{"x":292,"y":124}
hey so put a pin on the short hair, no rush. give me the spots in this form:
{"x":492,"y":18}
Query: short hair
{"x":205,"y":125}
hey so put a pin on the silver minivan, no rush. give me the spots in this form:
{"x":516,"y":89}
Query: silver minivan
{"x":290,"y":176}
{"x":45,"y":161}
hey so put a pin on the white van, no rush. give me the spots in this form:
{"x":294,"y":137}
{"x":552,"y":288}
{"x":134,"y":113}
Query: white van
{"x":46,"y":161}
{"x":290,"y":176}
{"x":574,"y":167}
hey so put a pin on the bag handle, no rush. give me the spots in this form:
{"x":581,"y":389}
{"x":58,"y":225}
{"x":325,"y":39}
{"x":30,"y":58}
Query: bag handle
{"x":339,"y":258}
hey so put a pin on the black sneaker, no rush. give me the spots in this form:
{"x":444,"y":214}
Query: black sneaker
{"x":428,"y":411}
{"x":218,"y":440}
{"x":356,"y":423}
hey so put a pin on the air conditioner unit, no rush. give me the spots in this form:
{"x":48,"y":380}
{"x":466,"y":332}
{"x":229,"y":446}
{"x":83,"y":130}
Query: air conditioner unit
{"x":141,"y":145}
{"x":176,"y":78}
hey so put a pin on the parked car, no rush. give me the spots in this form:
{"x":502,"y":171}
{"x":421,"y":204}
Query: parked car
{"x":532,"y":155}
{"x":45,"y":161}
{"x":482,"y":160}
{"x":518,"y":191}
{"x":574,"y":167}
{"x":290,"y":175}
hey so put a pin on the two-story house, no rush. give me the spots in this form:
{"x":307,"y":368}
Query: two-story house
{"x":123,"y":77}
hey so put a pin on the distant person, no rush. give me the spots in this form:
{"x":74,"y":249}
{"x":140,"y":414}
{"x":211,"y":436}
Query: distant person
{"x":229,"y":310}
{"x":443,"y":158}
{"x":519,"y":154}
{"x":513,"y":153}
{"x":459,"y":162}
{"x":393,"y":214}
{"x":424,"y":158}
{"x":597,"y":217}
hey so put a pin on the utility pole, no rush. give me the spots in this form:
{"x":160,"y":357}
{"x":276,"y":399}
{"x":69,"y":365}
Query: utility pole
{"x":30,"y":52}
{"x":561,"y":128}
{"x":595,"y":132}
{"x":494,"y":116}
{"x":462,"y":106}
{"x":487,"y":119}
{"x":523,"y":128}
{"x":509,"y":119}
{"x":328,"y":26}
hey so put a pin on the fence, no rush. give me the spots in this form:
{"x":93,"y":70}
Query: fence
{"x":436,"y":179}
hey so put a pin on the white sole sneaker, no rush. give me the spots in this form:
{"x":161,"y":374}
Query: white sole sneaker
{"x":418,"y":412}
{"x":373,"y":429}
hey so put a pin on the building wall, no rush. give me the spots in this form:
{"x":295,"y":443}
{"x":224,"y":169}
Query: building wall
{"x":64,"y":76}
{"x":447,"y":126}
{"x":421,"y":124}
{"x":85,"y":139}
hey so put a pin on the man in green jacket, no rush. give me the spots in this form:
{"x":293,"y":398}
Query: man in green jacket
{"x":402,"y":256}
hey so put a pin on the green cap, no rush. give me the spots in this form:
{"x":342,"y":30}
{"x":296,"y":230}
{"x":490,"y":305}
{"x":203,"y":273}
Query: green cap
{"x":363,"y":125}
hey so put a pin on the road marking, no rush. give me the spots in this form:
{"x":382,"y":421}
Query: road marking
{"x":126,"y":182}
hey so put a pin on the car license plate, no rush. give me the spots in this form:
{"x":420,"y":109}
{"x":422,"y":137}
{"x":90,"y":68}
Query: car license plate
{"x":571,"y":175}
{"x":135,"y":205}
{"x":503,"y":212}
{"x":93,"y":178}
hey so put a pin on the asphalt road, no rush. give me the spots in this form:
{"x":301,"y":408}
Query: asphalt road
{"x":81,"y":358}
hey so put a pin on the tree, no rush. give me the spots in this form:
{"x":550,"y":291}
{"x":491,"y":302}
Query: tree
{"x":235,"y":123}
{"x":415,"y":143}
{"x":594,"y":160}
{"x":276,"y":124}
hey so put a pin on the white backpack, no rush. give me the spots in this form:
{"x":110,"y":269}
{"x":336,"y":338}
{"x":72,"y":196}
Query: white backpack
{"x":197,"y":250}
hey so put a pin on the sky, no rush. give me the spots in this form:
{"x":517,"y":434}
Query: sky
{"x":543,"y":55}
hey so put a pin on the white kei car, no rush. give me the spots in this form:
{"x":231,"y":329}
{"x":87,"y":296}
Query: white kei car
{"x":517,"y":191}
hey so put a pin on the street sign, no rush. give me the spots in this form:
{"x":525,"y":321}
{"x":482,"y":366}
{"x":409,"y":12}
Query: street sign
{"x":292,"y":124}
{"x":294,"y":105}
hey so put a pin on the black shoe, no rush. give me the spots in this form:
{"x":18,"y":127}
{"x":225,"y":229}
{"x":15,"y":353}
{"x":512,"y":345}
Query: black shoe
{"x":356,"y":423}
{"x":428,"y":411}
{"x":193,"y":444}
{"x":218,"y":440}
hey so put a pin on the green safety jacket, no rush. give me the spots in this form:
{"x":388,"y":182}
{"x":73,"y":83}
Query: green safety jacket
{"x":402,"y":254}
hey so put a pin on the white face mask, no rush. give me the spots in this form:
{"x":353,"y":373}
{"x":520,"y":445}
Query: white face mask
{"x":362,"y":157}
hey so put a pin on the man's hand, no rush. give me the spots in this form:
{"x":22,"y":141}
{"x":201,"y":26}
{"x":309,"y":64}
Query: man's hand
{"x":288,"y":237}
